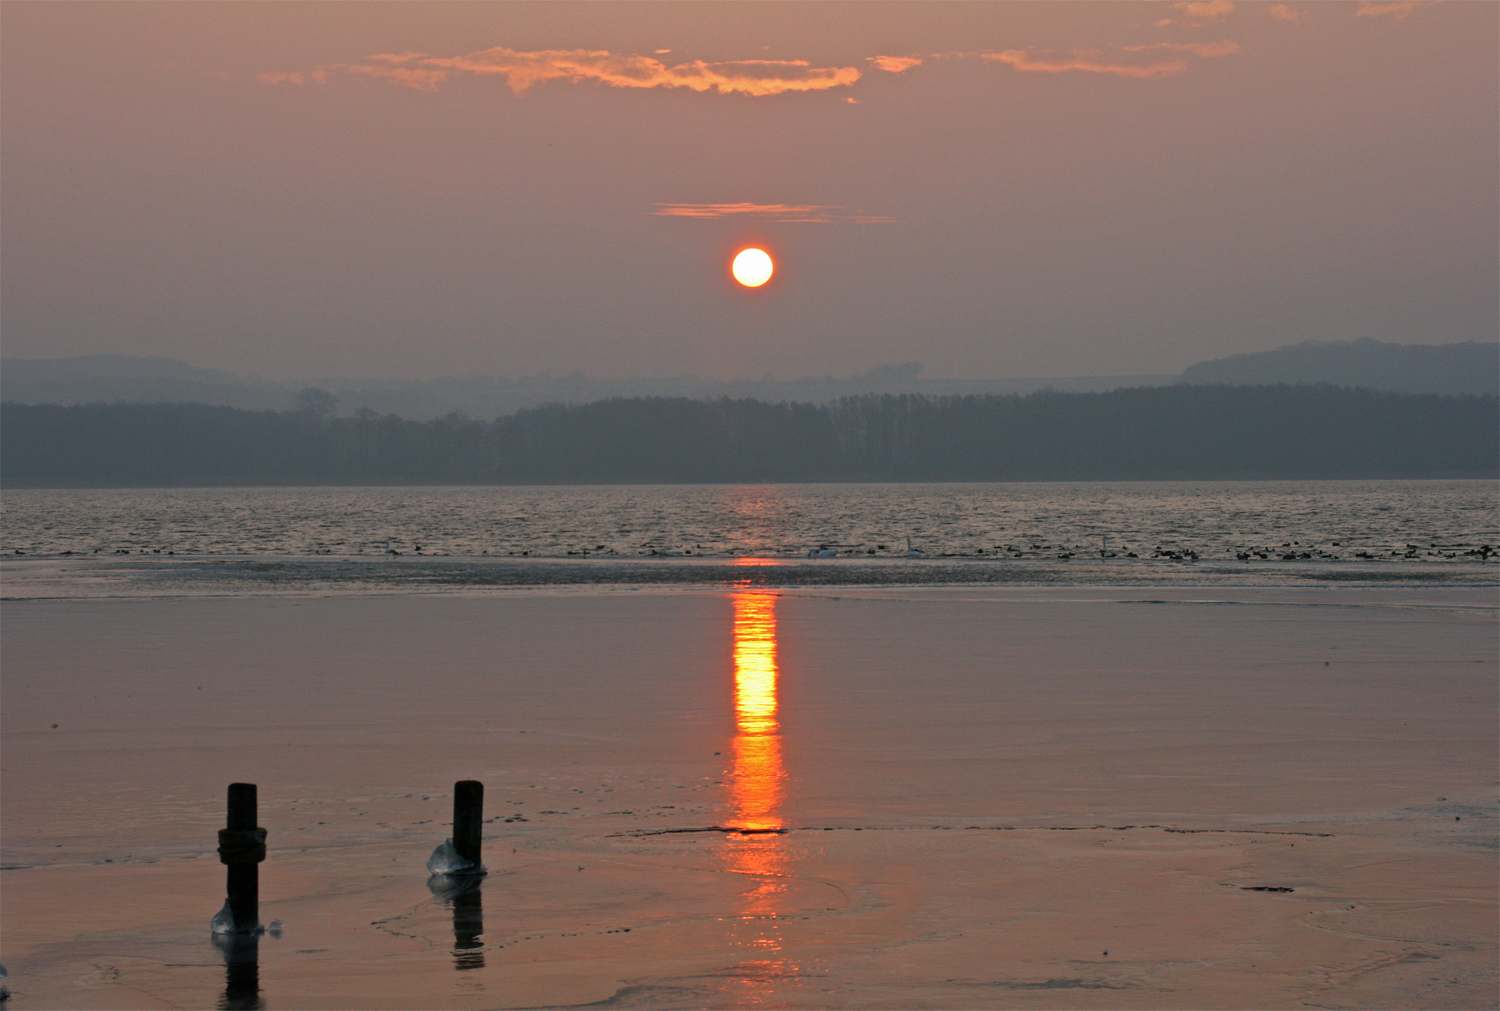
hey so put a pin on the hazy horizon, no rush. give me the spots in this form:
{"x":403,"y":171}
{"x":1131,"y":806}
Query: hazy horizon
{"x":914,"y":369}
{"x":998,"y":191}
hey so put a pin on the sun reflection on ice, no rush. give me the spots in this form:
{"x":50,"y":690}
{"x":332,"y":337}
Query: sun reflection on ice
{"x":757,"y":784}
{"x":755,"y":664}
{"x":757,"y":780}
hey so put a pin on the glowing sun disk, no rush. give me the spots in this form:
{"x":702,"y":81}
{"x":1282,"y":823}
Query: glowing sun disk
{"x":752,"y":267}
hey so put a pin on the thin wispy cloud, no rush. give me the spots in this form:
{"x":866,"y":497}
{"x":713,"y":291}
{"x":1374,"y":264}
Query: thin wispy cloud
{"x":1283,"y":12}
{"x":1204,"y":49}
{"x":411,"y":77}
{"x":319,"y":76}
{"x":522,"y":71}
{"x":1206,"y":10}
{"x":1091,"y":61}
{"x":822,"y":214}
{"x":1199,"y":13}
{"x":1100,"y":61}
{"x":1399,"y":11}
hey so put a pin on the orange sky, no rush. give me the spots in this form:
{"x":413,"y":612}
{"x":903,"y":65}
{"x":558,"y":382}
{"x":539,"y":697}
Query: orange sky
{"x":386,"y":190}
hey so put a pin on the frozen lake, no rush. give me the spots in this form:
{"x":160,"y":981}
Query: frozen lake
{"x":1002,"y":797}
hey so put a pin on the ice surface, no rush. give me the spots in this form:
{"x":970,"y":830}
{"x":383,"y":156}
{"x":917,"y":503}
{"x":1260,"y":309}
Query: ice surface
{"x":445,"y":860}
{"x":223,"y":923}
{"x":944,"y":757}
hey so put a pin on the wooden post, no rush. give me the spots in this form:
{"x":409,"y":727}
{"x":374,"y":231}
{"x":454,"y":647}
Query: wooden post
{"x":242,"y":846}
{"x":241,"y":808}
{"x":468,"y":818}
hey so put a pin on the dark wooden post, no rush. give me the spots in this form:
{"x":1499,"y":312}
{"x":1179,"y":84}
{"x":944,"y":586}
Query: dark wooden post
{"x":468,"y":818}
{"x":242,"y":846}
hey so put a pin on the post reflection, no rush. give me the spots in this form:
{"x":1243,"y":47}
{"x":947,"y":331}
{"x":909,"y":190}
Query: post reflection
{"x":464,"y":895}
{"x":241,"y":972}
{"x":757,"y":784}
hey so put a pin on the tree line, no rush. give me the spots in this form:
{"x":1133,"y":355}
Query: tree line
{"x":1153,"y":433}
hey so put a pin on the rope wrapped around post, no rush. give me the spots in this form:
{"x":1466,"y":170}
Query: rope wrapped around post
{"x":242,"y":846}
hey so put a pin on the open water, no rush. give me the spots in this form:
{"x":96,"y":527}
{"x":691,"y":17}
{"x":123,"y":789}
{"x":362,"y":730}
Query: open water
{"x":902,"y":533}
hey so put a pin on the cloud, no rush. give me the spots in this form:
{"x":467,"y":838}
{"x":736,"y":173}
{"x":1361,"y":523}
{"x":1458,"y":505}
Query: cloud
{"x":1094,"y":61}
{"x":1281,"y":12}
{"x":525,"y":70}
{"x":1206,"y":10}
{"x":740,"y":210}
{"x":1204,"y":49}
{"x":1087,"y":60}
{"x":276,"y":77}
{"x":421,"y":79}
{"x":1395,"y":11}
{"x":1200,"y":13}
{"x":824,"y":214}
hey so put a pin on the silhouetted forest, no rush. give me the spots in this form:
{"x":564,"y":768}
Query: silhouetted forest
{"x":1157,"y":433}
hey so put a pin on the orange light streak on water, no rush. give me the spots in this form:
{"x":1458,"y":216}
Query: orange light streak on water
{"x":755,"y":665}
{"x":757,"y":785}
{"x":758,"y":780}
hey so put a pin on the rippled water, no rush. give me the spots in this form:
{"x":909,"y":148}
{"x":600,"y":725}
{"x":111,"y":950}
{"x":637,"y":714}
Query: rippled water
{"x":1214,"y":520}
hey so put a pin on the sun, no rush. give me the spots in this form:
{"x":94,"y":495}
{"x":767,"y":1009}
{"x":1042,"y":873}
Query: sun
{"x":752,"y":267}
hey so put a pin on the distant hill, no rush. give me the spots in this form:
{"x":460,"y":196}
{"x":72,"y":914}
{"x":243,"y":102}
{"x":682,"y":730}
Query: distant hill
{"x":133,"y":379}
{"x":1403,"y":368}
{"x":1469,"y":367}
{"x":108,"y":379}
